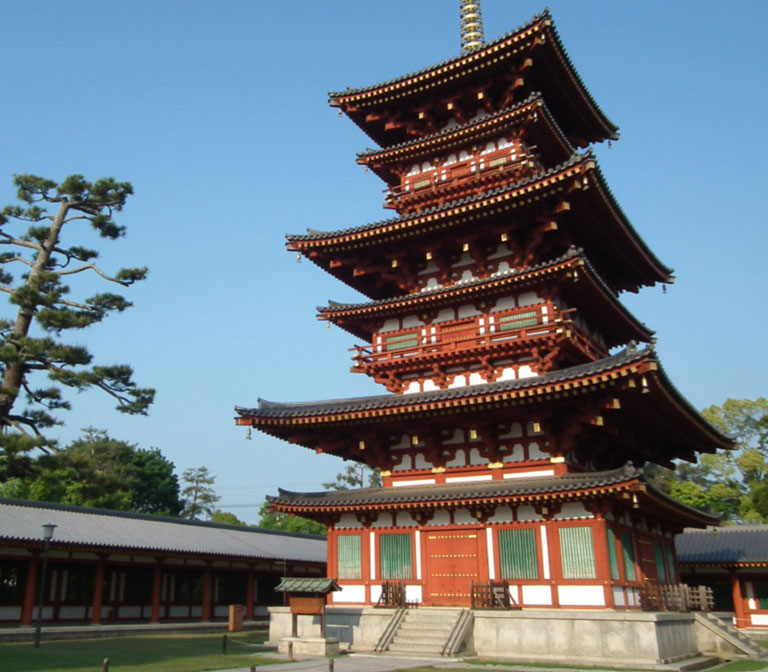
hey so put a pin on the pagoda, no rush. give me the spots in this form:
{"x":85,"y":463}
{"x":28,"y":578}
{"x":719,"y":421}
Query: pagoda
{"x":522,"y":399}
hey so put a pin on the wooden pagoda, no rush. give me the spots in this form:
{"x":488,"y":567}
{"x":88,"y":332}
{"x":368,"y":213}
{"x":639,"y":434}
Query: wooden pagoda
{"x":521,"y":406}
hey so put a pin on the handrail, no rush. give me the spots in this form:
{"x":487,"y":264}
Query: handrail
{"x":389,"y":632}
{"x":458,"y":634}
{"x":367,"y":355}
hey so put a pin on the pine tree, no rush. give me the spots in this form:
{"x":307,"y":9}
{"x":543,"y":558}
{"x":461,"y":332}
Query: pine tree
{"x":40,"y":297}
{"x":198,"y":494}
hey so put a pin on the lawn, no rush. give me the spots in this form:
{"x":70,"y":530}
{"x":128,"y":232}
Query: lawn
{"x":171,"y":653}
{"x":734,"y":666}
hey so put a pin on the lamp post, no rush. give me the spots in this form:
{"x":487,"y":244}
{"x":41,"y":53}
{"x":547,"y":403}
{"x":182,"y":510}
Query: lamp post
{"x":47,"y":536}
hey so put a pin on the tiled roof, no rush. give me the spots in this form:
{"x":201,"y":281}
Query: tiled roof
{"x":476,"y":491}
{"x":729,"y":544}
{"x":301,"y":584}
{"x":350,"y":91}
{"x":315,"y":234}
{"x":572,"y":253}
{"x":116,"y":530}
{"x":483,"y":118}
{"x":279,"y":409}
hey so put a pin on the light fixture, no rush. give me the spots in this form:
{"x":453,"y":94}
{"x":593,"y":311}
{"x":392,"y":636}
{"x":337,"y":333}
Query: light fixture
{"x":248,"y":434}
{"x":48,"y":529}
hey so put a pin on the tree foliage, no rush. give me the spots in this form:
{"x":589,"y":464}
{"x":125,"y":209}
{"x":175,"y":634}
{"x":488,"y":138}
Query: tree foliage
{"x":226,"y":518}
{"x":733,"y":483}
{"x":198,"y":493}
{"x":99,"y":471}
{"x":355,"y":476}
{"x":32,"y":234}
{"x":279,"y":521}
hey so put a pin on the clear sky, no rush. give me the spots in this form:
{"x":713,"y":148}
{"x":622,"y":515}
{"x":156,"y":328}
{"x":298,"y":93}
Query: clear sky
{"x":217,"y":113}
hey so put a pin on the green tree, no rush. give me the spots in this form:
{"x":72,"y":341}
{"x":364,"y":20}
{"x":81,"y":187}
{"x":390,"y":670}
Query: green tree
{"x":355,"y":476}
{"x":731,"y":482}
{"x":287,"y":523}
{"x":99,"y":471}
{"x":198,"y":493}
{"x":226,"y":518}
{"x":40,"y":296}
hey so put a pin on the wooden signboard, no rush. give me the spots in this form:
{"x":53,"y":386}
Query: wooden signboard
{"x":306,"y":605}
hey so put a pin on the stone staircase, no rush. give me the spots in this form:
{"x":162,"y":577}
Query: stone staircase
{"x":430,"y":632}
{"x":720,"y":637}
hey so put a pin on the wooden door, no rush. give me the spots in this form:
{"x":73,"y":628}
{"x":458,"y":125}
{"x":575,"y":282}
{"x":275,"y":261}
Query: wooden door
{"x":452,"y":563}
{"x":647,"y":558}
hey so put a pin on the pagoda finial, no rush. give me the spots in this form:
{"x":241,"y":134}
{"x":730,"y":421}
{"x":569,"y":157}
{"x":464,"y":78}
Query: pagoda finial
{"x":471,"y":26}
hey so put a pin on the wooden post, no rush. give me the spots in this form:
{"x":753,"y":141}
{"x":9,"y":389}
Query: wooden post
{"x":157,"y":586}
{"x":29,"y":590}
{"x":98,"y":591}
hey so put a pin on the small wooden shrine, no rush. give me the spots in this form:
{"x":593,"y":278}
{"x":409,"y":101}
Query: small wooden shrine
{"x":523,"y":398}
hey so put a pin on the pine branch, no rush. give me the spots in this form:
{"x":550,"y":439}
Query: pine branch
{"x":98,"y":271}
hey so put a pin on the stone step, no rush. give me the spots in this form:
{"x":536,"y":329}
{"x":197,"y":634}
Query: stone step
{"x":416,"y":639}
{"x":416,"y":648}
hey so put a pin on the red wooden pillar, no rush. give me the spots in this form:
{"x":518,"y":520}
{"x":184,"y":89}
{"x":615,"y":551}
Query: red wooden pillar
{"x":738,"y":602}
{"x":207,"y":591}
{"x":249,"y":587}
{"x":602,"y":557}
{"x":98,"y":591}
{"x":29,"y":590}
{"x":555,"y":566}
{"x":157,"y":586}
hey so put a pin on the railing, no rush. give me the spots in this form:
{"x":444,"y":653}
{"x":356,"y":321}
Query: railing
{"x":392,"y":594}
{"x":367,"y":355}
{"x":492,"y":595}
{"x":455,"y":177}
{"x":679,"y":597}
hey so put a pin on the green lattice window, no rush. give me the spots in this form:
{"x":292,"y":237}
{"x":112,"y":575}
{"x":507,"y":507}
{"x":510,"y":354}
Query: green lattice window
{"x":402,"y":342}
{"x":349,"y":557}
{"x":761,"y":593}
{"x":612,"y":559}
{"x":628,"y":554}
{"x":577,"y":553}
{"x":530,"y":318}
{"x":670,"y":562}
{"x":658,"y":552}
{"x":517,"y":554}
{"x":395,"y":556}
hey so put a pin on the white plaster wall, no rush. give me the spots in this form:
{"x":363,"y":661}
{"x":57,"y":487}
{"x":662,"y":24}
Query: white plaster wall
{"x":349,"y":594}
{"x":475,"y":458}
{"x":530,"y":474}
{"x":417,"y":481}
{"x":537,"y":595}
{"x":413,"y":594}
{"x":463,"y":517}
{"x":759,"y":619}
{"x":440,"y":518}
{"x":459,"y":461}
{"x":528,"y":299}
{"x":527,"y":512}
{"x":469,"y":479}
{"x":404,"y":519}
{"x":348,"y":520}
{"x":535,"y":452}
{"x":573,"y":510}
{"x":503,"y":514}
{"x":581,"y":596}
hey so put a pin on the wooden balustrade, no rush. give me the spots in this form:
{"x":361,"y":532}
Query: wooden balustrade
{"x":676,"y":597}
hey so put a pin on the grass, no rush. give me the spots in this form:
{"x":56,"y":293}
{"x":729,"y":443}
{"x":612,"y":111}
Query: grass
{"x":150,"y":653}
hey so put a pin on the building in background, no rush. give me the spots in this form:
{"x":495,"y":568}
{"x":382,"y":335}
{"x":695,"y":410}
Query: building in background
{"x":111,"y":567}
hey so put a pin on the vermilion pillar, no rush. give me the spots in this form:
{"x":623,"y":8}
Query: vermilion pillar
{"x":98,"y":591}
{"x":29,"y":590}
{"x":157,"y":585}
{"x":738,"y":602}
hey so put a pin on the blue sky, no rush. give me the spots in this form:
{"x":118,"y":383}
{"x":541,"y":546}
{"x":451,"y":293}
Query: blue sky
{"x":217,"y":113}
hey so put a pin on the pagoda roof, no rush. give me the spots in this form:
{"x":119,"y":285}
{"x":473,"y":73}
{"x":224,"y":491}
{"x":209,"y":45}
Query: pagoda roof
{"x":601,"y":305}
{"x":681,"y":431}
{"x":484,"y":125}
{"x":553,"y":73}
{"x":624,"y":259}
{"x":569,"y":486}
